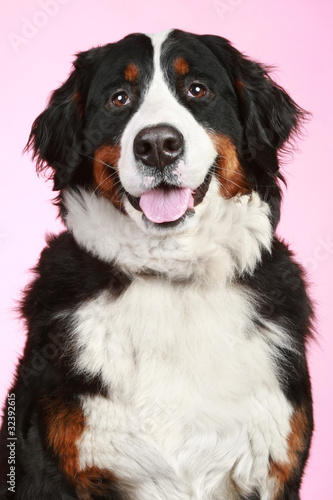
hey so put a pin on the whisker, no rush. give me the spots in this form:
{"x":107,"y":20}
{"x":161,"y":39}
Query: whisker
{"x":228,"y":180}
{"x":113,"y":174}
{"x":94,"y":191}
{"x":100,"y":161}
{"x":106,"y":179}
{"x":123,"y":197}
{"x":227,"y":190}
{"x":107,"y":165}
{"x":118,"y":192}
{"x":229,"y":169}
{"x":233,"y":171}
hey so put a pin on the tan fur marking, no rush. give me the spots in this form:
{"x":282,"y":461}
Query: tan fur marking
{"x":229,"y":172}
{"x":181,"y":66}
{"x":296,"y":442}
{"x":106,"y":182}
{"x":132,"y":72}
{"x":64,"y":426}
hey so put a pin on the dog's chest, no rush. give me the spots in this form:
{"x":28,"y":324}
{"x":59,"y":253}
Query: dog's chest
{"x":192,"y":391}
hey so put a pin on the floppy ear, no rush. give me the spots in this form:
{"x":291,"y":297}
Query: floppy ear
{"x":56,"y":133}
{"x":270,"y":117}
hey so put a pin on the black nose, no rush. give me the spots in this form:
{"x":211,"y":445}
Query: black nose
{"x":158,"y":146}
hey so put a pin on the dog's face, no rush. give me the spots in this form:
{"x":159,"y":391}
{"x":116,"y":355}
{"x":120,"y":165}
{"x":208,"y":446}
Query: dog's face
{"x":149,"y":122}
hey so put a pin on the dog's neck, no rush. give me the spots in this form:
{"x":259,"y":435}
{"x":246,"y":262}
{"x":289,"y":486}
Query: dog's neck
{"x":224,"y":239}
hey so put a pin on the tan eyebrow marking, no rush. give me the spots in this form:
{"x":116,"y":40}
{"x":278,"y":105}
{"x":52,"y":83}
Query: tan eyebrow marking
{"x":181,"y":66}
{"x":131,"y":72}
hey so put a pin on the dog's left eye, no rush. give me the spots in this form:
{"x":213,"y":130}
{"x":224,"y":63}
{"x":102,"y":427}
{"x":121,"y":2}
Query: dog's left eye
{"x":197,"y":90}
{"x":120,"y":98}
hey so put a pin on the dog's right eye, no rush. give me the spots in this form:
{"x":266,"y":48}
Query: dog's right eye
{"x":120,"y":99}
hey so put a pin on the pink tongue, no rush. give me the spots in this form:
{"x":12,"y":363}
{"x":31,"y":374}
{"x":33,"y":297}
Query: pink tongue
{"x":166,"y":205}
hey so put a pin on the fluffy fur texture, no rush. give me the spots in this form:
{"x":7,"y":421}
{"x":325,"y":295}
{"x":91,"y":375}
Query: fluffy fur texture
{"x":167,"y":327}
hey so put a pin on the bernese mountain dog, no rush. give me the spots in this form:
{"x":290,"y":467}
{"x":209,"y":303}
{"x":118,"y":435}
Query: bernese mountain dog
{"x":167,"y":326}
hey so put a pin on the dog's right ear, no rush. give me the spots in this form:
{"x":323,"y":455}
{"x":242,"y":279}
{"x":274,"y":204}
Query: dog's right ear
{"x":56,"y":133}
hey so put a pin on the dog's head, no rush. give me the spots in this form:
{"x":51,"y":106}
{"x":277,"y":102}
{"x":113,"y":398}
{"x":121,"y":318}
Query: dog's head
{"x":148,"y":123}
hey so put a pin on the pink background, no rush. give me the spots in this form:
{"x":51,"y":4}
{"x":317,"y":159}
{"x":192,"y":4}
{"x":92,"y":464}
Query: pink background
{"x":39,"y":39}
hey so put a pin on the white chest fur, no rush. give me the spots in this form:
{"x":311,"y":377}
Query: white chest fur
{"x":195,"y":409}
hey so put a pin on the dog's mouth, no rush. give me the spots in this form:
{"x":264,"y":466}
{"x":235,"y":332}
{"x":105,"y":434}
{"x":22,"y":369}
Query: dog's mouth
{"x":168,"y":205}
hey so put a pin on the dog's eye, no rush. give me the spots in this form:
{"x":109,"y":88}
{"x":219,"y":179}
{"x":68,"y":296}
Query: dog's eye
{"x":197,"y":90}
{"x":120,"y":98}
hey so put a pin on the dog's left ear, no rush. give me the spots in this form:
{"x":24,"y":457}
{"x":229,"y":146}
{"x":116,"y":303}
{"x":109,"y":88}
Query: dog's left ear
{"x":57,"y":132}
{"x":269,"y":115}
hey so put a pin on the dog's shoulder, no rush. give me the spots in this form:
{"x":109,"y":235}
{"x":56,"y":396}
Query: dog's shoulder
{"x":280,"y":285}
{"x":67,"y":274}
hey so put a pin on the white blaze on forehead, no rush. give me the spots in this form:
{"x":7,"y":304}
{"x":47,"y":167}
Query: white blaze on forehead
{"x":160,"y":106}
{"x":157,"y":40}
